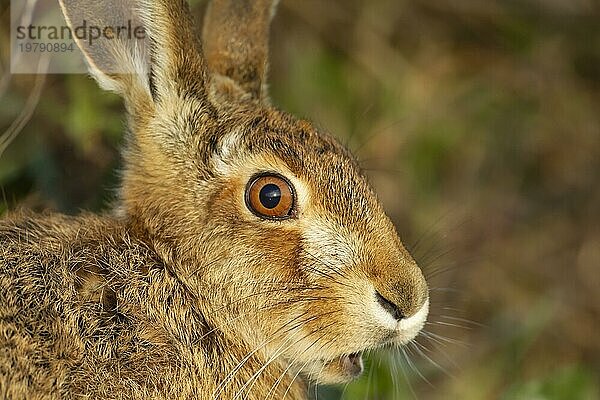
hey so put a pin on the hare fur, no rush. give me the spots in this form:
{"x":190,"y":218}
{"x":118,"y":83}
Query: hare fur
{"x":182,"y":291}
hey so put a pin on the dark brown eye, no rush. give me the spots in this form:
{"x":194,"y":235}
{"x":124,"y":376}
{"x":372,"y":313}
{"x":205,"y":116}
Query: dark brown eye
{"x":270,"y":196}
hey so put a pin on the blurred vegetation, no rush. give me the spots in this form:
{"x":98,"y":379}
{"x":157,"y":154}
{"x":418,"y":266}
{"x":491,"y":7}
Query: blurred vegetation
{"x":479,"y":124}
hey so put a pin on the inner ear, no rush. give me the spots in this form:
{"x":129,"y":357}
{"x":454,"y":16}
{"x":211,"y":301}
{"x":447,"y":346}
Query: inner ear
{"x":116,"y":49}
{"x":159,"y":55}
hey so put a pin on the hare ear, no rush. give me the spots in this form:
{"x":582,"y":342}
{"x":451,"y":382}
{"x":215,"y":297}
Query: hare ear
{"x":145,"y":49}
{"x":236,"y":41}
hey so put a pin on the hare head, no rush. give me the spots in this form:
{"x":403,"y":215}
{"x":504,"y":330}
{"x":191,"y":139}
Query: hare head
{"x":266,"y":219}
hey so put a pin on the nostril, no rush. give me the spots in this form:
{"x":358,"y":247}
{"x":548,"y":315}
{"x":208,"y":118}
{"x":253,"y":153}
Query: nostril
{"x":389,"y":306}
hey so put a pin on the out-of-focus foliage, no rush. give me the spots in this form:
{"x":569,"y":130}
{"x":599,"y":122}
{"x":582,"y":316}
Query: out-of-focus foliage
{"x":479,"y":124}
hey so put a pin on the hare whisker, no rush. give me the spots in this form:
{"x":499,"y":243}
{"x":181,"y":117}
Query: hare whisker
{"x":444,"y":338}
{"x":440,"y":349}
{"x":262,"y":309}
{"x":465,"y":320}
{"x":230,"y":375}
{"x":281,"y":332}
{"x":254,"y":378}
{"x":407,"y":354}
{"x":306,"y":363}
{"x":394,"y":373}
{"x":418,"y":348}
{"x":369,"y":377}
{"x":291,"y":364}
{"x":442,"y":323}
{"x":277,"y":354}
{"x":331,"y":267}
{"x":283,"y":289}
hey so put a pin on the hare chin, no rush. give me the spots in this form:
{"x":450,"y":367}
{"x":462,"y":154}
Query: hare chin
{"x":347,"y":367}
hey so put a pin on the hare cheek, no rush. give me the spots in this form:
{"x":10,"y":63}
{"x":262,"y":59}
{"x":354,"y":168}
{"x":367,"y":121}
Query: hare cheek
{"x":324,"y":244}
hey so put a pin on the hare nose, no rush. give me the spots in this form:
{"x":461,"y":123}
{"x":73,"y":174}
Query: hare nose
{"x":403,"y":298}
{"x":390,"y":307}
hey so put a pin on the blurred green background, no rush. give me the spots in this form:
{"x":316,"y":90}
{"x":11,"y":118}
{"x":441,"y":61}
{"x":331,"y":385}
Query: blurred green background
{"x":479,"y":125}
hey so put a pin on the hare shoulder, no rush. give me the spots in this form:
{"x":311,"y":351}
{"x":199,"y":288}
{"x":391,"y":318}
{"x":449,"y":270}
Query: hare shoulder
{"x":87,"y":309}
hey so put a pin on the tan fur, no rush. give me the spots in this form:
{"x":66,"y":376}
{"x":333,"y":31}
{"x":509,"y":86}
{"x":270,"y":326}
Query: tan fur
{"x":183,"y":292}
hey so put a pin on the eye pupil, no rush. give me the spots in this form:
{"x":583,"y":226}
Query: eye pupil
{"x":270,"y":196}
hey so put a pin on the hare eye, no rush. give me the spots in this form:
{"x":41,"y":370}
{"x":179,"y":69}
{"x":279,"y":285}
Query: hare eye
{"x":270,"y":196}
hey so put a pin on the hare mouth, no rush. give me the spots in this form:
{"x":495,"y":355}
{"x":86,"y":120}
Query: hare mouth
{"x":352,"y":364}
{"x":345,"y":367}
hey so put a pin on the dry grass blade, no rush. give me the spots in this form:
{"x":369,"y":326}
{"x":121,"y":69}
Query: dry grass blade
{"x":30,"y":105}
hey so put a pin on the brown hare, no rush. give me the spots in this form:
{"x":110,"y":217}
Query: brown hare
{"x":247,"y":254}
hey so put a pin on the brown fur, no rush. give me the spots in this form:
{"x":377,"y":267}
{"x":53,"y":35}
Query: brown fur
{"x":227,"y":27}
{"x":183,"y":284}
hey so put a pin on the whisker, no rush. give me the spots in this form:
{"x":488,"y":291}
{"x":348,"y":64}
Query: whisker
{"x":306,"y":363}
{"x":413,"y":366}
{"x":279,"y":352}
{"x":254,"y":378}
{"x":330,"y":267}
{"x":440,"y":349}
{"x":227,"y":379}
{"x":393,"y":361}
{"x":442,"y":323}
{"x":369,"y":379}
{"x":445,"y":339}
{"x":412,"y":391}
{"x":466,"y":321}
{"x":417,"y":348}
